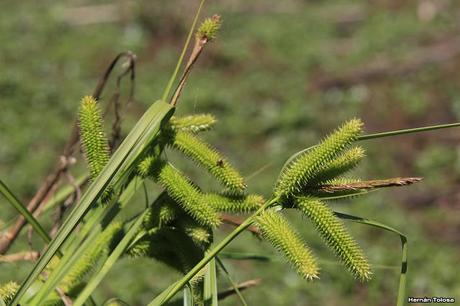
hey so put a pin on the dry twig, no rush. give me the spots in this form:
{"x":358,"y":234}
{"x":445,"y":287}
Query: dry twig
{"x":365,"y":185}
{"x":235,"y":221}
{"x":242,"y":286}
{"x":21,"y":256}
{"x":51,"y":181}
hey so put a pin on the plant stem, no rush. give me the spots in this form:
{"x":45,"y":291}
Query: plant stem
{"x":197,"y":49}
{"x":210,"y":255}
{"x":181,"y":58}
{"x":408,"y":131}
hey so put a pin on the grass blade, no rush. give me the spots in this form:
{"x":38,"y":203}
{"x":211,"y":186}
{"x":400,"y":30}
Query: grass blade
{"x":210,"y":285}
{"x":381,"y":135}
{"x":13,"y":200}
{"x":171,"y":291}
{"x":188,"y":297}
{"x":402,"y":279}
{"x":124,"y":156}
{"x":66,"y":263}
{"x":81,"y":243}
{"x":409,"y":131}
{"x":63,"y":193}
{"x":114,"y":256}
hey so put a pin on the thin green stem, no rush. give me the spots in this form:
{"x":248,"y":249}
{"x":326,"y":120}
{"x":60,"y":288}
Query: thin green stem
{"x":232,"y":282}
{"x":402,"y":277}
{"x":209,"y":256}
{"x":408,"y":131}
{"x":380,"y":135}
{"x":181,"y":58}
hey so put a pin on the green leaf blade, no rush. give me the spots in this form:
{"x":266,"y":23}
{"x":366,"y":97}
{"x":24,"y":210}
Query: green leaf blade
{"x":129,"y":150}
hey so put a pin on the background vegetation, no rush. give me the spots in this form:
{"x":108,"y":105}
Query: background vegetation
{"x":281,"y":75}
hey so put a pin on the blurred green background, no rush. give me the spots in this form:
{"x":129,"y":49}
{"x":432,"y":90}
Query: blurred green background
{"x":280,"y":76}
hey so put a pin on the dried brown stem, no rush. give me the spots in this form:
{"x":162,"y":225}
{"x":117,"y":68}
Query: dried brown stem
{"x":200,"y":42}
{"x":21,"y":256}
{"x":197,"y":49}
{"x":235,"y":221}
{"x":65,"y":298}
{"x":365,"y":185}
{"x":50,"y":182}
{"x":115,"y":100}
{"x":242,"y":286}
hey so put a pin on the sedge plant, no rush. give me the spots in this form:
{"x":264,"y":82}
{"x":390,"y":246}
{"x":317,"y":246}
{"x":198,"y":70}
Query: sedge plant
{"x":177,"y":227}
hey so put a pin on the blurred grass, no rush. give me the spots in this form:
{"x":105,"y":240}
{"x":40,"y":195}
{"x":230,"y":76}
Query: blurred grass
{"x":260,"y":79}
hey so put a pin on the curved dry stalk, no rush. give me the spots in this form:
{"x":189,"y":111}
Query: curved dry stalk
{"x":366,"y":185}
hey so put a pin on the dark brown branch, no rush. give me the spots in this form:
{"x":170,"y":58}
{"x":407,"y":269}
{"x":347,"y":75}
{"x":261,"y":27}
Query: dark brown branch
{"x":242,"y":286}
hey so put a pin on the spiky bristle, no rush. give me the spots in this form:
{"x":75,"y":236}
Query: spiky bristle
{"x":7,"y":291}
{"x":183,"y":192}
{"x":94,"y":141}
{"x":336,"y":236}
{"x":302,"y":170}
{"x":342,"y":164}
{"x":209,"y":28}
{"x":207,"y":157}
{"x":162,"y":212}
{"x":201,"y":235}
{"x":193,"y":123}
{"x":234,"y":203}
{"x":276,"y":229}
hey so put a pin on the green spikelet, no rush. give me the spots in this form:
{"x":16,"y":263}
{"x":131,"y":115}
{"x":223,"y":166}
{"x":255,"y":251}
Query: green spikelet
{"x":89,"y":260}
{"x":233,"y":203}
{"x":7,"y":291}
{"x":115,"y":302}
{"x":182,"y":191}
{"x":276,"y":229}
{"x":345,"y":162}
{"x":142,"y":247}
{"x":162,"y":212}
{"x":94,"y":141}
{"x":193,"y":123}
{"x":147,"y":166}
{"x":200,"y":235}
{"x":209,"y":28}
{"x":170,"y":246}
{"x":336,"y":236}
{"x":187,"y":252}
{"x":209,"y":158}
{"x":197,"y":287}
{"x":301,"y":171}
